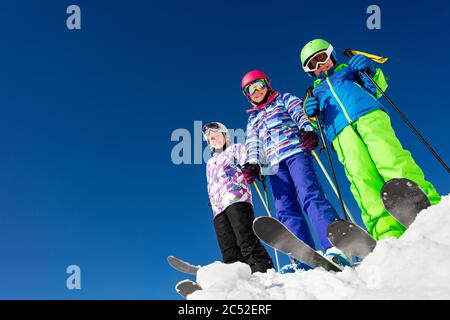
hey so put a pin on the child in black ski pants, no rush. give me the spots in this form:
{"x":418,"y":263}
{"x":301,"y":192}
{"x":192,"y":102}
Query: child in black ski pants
{"x":231,"y":201}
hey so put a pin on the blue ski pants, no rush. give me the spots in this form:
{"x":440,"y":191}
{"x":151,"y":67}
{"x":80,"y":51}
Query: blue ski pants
{"x":297,"y":192}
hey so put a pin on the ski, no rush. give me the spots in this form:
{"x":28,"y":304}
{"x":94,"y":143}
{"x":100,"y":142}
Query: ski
{"x":276,"y":235}
{"x":350,"y":238}
{"x":186,"y":287}
{"x":404,"y":199}
{"x":182,"y":266}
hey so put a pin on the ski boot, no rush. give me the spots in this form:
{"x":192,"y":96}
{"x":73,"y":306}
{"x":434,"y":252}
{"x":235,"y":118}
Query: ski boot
{"x":294,"y":266}
{"x":338,"y":257}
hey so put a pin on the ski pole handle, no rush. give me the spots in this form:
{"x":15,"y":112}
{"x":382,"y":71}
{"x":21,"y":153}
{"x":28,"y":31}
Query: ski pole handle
{"x":310,"y":94}
{"x":349,"y":53}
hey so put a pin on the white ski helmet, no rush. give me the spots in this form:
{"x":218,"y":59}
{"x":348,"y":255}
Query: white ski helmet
{"x":216,"y":127}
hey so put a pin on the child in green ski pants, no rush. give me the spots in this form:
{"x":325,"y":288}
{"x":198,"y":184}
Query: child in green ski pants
{"x":359,"y":128}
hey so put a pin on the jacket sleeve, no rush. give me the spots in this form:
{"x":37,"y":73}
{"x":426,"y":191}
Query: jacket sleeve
{"x":252,"y":143}
{"x":379,"y":78}
{"x":208,"y":180}
{"x":294,"y":107}
{"x":240,"y":153}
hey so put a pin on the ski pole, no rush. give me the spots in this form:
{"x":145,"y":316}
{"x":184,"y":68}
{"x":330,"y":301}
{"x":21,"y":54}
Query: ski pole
{"x":262,"y":198}
{"x":263,"y":182}
{"x":309,"y":93}
{"x":348,"y":53}
{"x":331,"y":183}
{"x":270,"y":215}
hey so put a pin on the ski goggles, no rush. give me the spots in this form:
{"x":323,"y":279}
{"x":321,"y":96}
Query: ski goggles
{"x":313,"y":63}
{"x":212,"y":126}
{"x":258,"y":85}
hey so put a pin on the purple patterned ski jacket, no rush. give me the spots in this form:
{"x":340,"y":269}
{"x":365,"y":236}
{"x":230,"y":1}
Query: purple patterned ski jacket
{"x":226,"y":184}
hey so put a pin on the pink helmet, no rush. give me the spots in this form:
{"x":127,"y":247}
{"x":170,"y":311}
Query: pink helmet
{"x":253,"y":76}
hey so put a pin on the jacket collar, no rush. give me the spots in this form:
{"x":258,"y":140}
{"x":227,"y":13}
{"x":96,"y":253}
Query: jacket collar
{"x":272,"y":97}
{"x":327,"y":74}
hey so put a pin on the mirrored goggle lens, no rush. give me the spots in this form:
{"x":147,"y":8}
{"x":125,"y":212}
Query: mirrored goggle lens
{"x":320,"y":57}
{"x":256,"y":86}
{"x":210,"y":126}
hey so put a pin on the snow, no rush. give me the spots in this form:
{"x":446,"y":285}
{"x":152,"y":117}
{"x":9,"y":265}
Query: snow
{"x":416,"y":266}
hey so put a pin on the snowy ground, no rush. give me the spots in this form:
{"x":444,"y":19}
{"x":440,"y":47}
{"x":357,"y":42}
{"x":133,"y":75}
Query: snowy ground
{"x":417,"y":266}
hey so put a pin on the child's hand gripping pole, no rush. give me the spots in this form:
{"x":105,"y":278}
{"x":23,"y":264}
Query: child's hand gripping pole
{"x":350,"y":53}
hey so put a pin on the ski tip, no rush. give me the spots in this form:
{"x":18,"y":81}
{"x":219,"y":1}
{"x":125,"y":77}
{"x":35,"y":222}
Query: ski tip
{"x":262,"y":218}
{"x":183,"y":282}
{"x":187,"y":287}
{"x":398,"y":183}
{"x":335,"y":224}
{"x":259,"y":222}
{"x":170,"y":259}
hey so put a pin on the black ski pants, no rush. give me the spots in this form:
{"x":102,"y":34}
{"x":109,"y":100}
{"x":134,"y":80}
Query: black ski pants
{"x":237,"y":240}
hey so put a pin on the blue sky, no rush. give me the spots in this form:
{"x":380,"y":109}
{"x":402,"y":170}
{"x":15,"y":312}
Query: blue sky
{"x":86,"y":117}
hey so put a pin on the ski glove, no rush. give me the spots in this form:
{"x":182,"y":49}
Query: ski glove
{"x":312,"y":106}
{"x":360,"y":62}
{"x":251,"y":171}
{"x":308,"y":140}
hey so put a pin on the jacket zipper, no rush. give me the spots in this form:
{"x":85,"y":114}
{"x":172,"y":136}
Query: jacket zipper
{"x":338,"y":100}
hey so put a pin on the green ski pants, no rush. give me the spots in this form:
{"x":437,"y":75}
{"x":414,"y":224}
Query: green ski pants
{"x":372,"y":155}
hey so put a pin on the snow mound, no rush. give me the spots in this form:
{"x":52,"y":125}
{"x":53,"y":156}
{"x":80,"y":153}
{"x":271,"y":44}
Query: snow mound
{"x":416,"y":266}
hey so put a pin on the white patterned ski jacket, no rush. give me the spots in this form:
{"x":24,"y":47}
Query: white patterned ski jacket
{"x":226,"y":183}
